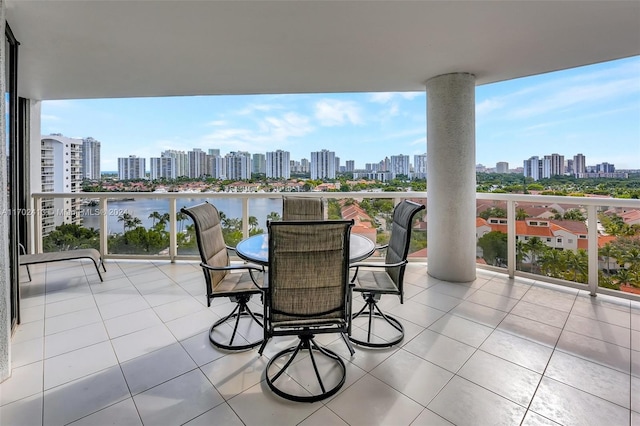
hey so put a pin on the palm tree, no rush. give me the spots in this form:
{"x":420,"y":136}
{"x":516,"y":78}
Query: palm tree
{"x":607,"y":252}
{"x":553,"y":262}
{"x":535,"y":247}
{"x":521,"y":252}
{"x":134,"y":222}
{"x":253,"y":222}
{"x":124,"y":218}
{"x":155,"y":216}
{"x":521,"y":214}
{"x":180,"y":217}
{"x":632,"y":257}
{"x":274,"y":217}
{"x":578,"y":264}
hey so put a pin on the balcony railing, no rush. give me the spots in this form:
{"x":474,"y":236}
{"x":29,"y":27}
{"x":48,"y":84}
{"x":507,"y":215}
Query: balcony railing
{"x":176,"y":200}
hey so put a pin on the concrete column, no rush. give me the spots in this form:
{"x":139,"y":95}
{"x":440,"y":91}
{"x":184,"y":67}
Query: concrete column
{"x":451,"y":177}
{"x":5,"y":282}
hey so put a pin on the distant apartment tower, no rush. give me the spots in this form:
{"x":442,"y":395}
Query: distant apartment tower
{"x":420,"y":166}
{"x":502,"y":167}
{"x":259,"y":164}
{"x":350,"y":166}
{"x":90,"y":158}
{"x":162,"y":167}
{"x":305,"y":166}
{"x":182,"y":161}
{"x":216,"y":166}
{"x":213,"y":152}
{"x":399,"y":165}
{"x":537,"y":168}
{"x":323,"y":164}
{"x":131,"y":167}
{"x":557,"y":164}
{"x":337,"y":164}
{"x":278,"y":165}
{"x":197,"y":163}
{"x":605,"y":168}
{"x":61,"y":171}
{"x":238,"y":165}
{"x":579,"y":164}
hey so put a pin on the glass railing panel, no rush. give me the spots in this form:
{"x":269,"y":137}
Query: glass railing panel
{"x":491,"y":233}
{"x":261,"y":210}
{"x":230,"y":210}
{"x":618,"y":250}
{"x":418,"y":246}
{"x":552,"y":240}
{"x":137,"y":226}
{"x":65,"y":225}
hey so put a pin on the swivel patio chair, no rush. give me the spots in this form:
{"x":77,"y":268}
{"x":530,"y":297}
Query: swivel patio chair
{"x":302,"y":208}
{"x":221,"y":282}
{"x":372,"y":284}
{"x":307,"y":294}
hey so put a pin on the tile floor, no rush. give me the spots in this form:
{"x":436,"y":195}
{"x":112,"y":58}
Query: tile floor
{"x":134,"y":350}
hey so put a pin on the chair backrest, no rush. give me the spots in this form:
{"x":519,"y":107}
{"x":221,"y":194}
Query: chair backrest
{"x":211,"y":245}
{"x":401,"y":238}
{"x":308,"y":272}
{"x":302,"y":208}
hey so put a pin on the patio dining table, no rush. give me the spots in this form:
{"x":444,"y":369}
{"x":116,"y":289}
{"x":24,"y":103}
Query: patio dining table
{"x":256,"y":248}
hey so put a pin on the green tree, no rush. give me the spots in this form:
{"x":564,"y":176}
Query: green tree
{"x":494,"y":247}
{"x":521,"y":214}
{"x":535,"y":246}
{"x":155,"y":216}
{"x":577,"y":265}
{"x":274,"y":217}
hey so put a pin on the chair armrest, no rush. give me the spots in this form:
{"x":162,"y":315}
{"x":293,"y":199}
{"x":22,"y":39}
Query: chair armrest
{"x":382,"y":247}
{"x":22,"y":249}
{"x":248,"y":266}
{"x":358,"y":265}
{"x":251,"y":267}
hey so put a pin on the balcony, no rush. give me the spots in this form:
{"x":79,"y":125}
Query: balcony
{"x":134,"y":349}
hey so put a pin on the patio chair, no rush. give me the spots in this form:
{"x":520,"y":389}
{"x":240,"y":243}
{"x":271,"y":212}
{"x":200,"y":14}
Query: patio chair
{"x":302,"y":208}
{"x":307,"y":294}
{"x":221,"y":282}
{"x":375,"y":283}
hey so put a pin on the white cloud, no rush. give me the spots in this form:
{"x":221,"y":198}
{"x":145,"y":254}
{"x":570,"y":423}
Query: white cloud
{"x":332,"y":112}
{"x":489,"y":105}
{"x":251,"y":108}
{"x":384,"y":97}
{"x":49,"y":117}
{"x":216,"y":123}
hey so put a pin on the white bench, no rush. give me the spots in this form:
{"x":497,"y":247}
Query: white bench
{"x":59,"y":256}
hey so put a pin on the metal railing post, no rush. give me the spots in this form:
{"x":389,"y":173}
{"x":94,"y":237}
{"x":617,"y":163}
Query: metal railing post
{"x":37,"y":232}
{"x":511,"y":238}
{"x":245,"y":217}
{"x":592,"y":240}
{"x":173,"y":230}
{"x":104,"y":249}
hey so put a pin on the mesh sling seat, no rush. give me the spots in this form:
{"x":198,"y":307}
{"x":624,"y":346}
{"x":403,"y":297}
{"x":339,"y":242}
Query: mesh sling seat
{"x":220,"y":282}
{"x":307,"y":294}
{"x":372,"y":284}
{"x":302,"y":208}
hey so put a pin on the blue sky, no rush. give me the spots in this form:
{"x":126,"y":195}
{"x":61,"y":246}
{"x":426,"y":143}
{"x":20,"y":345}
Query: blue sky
{"x":593,"y":110}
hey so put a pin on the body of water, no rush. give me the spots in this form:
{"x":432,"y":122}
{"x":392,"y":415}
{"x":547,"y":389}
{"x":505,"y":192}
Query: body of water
{"x":142,"y":208}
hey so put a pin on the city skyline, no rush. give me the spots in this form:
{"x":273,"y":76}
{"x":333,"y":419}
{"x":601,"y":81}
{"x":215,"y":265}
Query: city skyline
{"x":593,"y":110}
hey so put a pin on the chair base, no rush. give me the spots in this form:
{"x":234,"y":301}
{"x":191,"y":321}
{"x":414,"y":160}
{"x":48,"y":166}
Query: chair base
{"x":372,"y":311}
{"x":306,"y":343}
{"x":240,"y":311}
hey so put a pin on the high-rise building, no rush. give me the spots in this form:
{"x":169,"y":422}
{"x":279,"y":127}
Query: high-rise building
{"x":90,"y":158}
{"x":182,"y":161}
{"x":216,"y":166}
{"x":238,"y":165}
{"x":131,"y":167}
{"x":259,"y":164}
{"x":399,"y":165}
{"x":557,"y":164}
{"x":61,"y":171}
{"x":213,"y":152}
{"x":350,"y":166}
{"x":197,"y":163}
{"x":420,"y":166}
{"x":537,"y":169}
{"x":278,"y":165}
{"x":337,"y":164}
{"x":323,"y":164}
{"x":162,"y":167}
{"x":502,"y":167}
{"x":305,"y":166}
{"x":579,"y":164}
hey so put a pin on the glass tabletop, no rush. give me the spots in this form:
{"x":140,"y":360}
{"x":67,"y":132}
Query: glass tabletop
{"x":256,"y":248}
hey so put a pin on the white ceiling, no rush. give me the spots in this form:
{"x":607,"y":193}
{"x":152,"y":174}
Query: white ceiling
{"x":103,"y":49}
